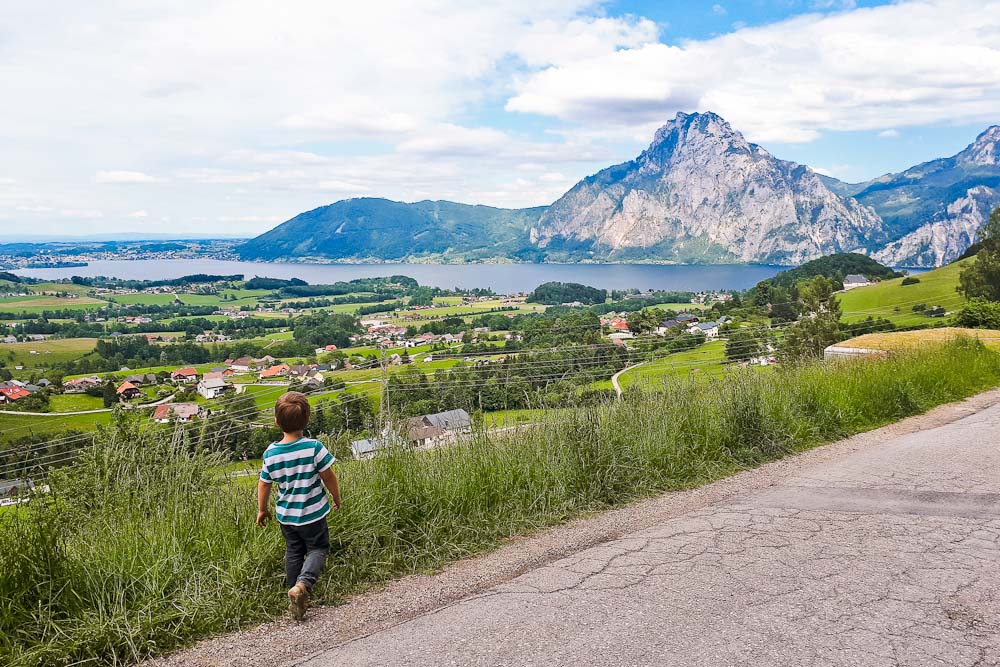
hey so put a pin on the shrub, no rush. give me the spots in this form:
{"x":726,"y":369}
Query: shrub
{"x":979,"y":314}
{"x":910,"y":280}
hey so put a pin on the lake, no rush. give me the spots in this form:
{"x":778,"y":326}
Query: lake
{"x":502,"y":278}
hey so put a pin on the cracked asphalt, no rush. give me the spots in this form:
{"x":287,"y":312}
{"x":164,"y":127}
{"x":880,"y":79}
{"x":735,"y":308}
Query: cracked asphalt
{"x":887,"y":557}
{"x":882,"y":549}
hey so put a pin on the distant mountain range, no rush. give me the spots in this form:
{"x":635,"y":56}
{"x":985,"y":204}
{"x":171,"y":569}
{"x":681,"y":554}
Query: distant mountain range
{"x":701,"y":193}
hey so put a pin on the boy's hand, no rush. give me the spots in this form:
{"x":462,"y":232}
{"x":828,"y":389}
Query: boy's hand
{"x":262,"y":516}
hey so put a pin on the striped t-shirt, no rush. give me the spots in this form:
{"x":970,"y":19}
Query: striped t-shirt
{"x":295,"y":467}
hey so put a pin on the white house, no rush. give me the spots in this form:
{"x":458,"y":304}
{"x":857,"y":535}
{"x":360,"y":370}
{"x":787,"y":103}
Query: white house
{"x":854,"y":280}
{"x":212,"y":387}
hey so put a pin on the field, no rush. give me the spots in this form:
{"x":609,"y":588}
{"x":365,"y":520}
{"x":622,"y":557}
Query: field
{"x":14,"y":425}
{"x":707,"y":359}
{"x":74,"y":402}
{"x":166,"y":552}
{"x":34,"y":304}
{"x":224,"y":299}
{"x":893,"y":300}
{"x":50,"y":352}
{"x":909,"y":340}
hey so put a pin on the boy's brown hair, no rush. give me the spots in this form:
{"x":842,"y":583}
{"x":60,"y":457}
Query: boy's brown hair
{"x":291,"y":412}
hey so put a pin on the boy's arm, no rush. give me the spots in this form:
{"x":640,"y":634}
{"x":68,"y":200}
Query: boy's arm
{"x":263,"y":494}
{"x":330,"y":480}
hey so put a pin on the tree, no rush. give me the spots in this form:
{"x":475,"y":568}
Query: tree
{"x":109,"y":394}
{"x":645,"y":320}
{"x":979,"y":313}
{"x":744,"y":344}
{"x":981,"y":279}
{"x":819,"y":327}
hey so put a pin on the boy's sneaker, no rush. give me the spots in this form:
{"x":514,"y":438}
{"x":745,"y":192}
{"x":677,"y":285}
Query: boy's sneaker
{"x":298,"y":596}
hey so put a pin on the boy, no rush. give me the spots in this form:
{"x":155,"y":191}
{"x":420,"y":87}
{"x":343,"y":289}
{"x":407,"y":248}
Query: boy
{"x":298,"y":465}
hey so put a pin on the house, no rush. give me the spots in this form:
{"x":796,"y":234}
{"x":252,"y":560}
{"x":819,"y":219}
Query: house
{"x":710,"y":329}
{"x":127,"y":391}
{"x":327,"y":348}
{"x":80,"y":385}
{"x":266,"y":360}
{"x":9,"y":339}
{"x":431,"y":429}
{"x":620,"y":325}
{"x":212,"y":385}
{"x":300,"y":370}
{"x":143,"y":378}
{"x":365,"y":449}
{"x":241,"y":365}
{"x":184,"y":375}
{"x":667,"y":325}
{"x":281,"y":370}
{"x":687,"y":318}
{"x":177,"y":412}
{"x":11,"y":394}
{"x":854,"y":280}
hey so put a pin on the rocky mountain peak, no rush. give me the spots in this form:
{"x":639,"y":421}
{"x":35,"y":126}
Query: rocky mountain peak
{"x":703,"y":133}
{"x":985,"y":150}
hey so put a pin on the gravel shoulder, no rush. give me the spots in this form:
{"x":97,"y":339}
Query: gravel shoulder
{"x":282,"y":642}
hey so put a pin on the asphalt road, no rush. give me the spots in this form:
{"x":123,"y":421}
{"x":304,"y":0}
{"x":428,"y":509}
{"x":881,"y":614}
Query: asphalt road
{"x":888,"y":555}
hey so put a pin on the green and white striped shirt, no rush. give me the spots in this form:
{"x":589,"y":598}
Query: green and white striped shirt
{"x":295,"y":467}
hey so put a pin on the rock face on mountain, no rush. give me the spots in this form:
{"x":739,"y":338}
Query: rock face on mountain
{"x":701,"y":192}
{"x":934,"y":210}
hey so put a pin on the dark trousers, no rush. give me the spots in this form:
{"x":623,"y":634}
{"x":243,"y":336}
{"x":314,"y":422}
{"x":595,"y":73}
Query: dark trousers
{"x":306,"y":549}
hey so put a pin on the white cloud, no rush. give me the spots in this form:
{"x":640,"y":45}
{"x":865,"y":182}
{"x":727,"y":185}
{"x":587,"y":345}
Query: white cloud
{"x":889,"y":134}
{"x":453,"y":139}
{"x":78,"y":213}
{"x":124,"y":177}
{"x":34,"y":209}
{"x":141,"y":213}
{"x":905,"y":64}
{"x":718,"y":10}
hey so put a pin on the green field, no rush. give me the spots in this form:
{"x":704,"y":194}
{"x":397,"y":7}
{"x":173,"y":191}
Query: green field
{"x":74,"y":402}
{"x":894,"y":301}
{"x":242,"y":298}
{"x":34,"y":304}
{"x":50,"y":352}
{"x":14,"y":426}
{"x":707,"y":359}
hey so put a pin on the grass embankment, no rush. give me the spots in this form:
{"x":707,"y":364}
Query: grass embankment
{"x":894,"y":301}
{"x":141,"y":548}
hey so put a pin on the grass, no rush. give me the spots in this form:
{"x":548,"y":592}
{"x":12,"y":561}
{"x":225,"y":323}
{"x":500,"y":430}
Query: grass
{"x":140,"y":548}
{"x":15,"y":426}
{"x":709,"y":359}
{"x":908,"y":340}
{"x":36,"y":304}
{"x":50,"y":352}
{"x":74,"y":402}
{"x":893,"y":300}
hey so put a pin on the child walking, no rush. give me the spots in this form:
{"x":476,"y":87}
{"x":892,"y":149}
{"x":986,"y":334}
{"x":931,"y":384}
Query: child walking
{"x":301,"y":467}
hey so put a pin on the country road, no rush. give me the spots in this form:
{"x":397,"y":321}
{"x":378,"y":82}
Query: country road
{"x":883,"y":549}
{"x":616,"y":376}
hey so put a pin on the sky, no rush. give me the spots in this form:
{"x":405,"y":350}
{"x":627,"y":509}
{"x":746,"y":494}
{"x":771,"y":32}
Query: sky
{"x":226,"y":117}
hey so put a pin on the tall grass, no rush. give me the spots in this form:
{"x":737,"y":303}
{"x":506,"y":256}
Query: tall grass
{"x":141,"y":547}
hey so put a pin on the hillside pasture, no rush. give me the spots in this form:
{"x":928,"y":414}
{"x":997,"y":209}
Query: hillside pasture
{"x":894,"y":301}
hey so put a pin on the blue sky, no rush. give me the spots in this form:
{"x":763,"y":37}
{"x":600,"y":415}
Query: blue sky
{"x":229,"y":116}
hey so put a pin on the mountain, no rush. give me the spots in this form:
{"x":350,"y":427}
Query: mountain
{"x":370,"y":228}
{"x":703,"y":193}
{"x":932,"y":211}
